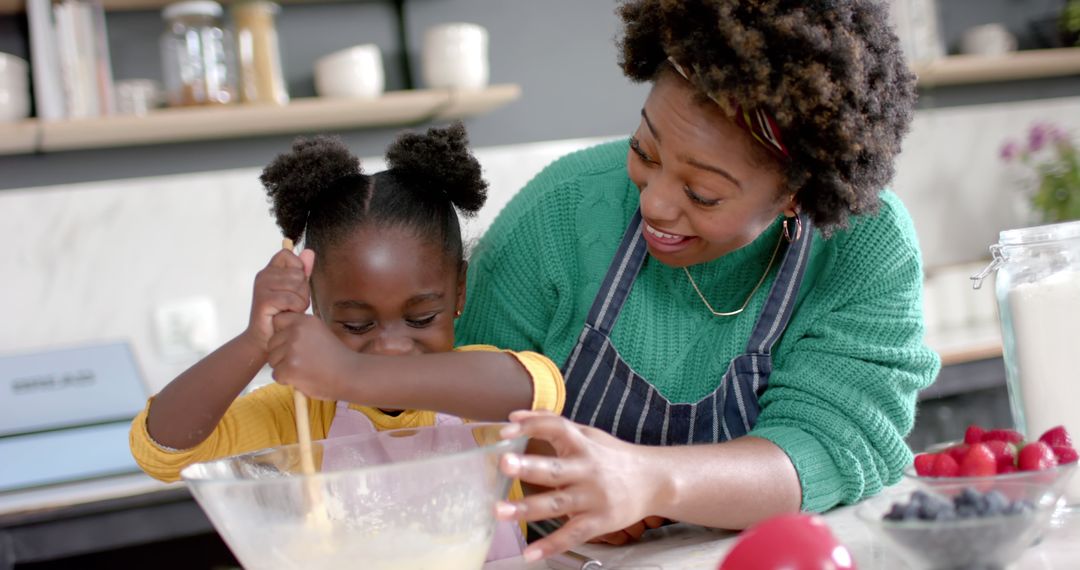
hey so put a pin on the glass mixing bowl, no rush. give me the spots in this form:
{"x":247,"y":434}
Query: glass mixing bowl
{"x":399,"y":499}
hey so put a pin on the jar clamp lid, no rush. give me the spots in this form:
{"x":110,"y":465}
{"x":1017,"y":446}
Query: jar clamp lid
{"x":192,"y":8}
{"x":1025,"y":236}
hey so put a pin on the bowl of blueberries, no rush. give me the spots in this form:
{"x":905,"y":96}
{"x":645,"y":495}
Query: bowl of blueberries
{"x":959,"y":526}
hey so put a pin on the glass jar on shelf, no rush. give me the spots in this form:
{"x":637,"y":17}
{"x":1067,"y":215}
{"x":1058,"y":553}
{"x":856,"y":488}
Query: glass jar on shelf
{"x":197,"y":55}
{"x":1038,"y":294}
{"x":261,"y":77}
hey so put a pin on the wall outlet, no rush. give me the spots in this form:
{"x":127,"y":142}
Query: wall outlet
{"x":186,"y":329}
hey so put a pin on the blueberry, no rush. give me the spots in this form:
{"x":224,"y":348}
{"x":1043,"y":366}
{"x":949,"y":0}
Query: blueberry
{"x":896,"y":513}
{"x":966,"y":511}
{"x":1019,"y":507}
{"x":969,"y":496}
{"x":996,"y":503}
{"x":934,"y":508}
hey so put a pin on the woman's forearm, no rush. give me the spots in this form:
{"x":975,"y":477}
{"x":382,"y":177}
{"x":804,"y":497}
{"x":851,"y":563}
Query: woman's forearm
{"x":475,"y":385}
{"x":730,"y":485}
{"x":186,"y":412}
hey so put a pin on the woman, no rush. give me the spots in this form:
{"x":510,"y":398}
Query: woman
{"x":734,"y":275}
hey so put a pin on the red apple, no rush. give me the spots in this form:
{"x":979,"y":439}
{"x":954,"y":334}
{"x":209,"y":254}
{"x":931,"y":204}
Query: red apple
{"x":788,"y":542}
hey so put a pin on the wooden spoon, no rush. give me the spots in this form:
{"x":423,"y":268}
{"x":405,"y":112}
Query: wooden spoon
{"x":317,"y":513}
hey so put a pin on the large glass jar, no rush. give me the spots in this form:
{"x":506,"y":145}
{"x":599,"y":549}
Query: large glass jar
{"x":196,"y":55}
{"x":261,"y":77}
{"x":1038,"y":293}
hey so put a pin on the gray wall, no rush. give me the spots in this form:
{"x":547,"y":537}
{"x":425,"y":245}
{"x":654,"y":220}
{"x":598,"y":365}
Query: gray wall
{"x":561,"y":51}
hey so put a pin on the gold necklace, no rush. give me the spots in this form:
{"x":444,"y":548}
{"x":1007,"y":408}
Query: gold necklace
{"x":751,"y":296}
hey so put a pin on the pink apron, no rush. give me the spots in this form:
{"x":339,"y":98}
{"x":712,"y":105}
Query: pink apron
{"x":507,"y":542}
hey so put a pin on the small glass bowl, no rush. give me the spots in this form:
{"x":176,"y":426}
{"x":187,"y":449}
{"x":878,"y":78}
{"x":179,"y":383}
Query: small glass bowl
{"x":988,"y":542}
{"x":1054,"y":479}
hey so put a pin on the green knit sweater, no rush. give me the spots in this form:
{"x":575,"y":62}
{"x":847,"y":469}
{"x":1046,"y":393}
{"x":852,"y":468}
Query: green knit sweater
{"x":841,"y":396}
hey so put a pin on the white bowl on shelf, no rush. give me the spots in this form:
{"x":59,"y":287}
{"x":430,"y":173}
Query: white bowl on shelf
{"x":14,"y":88}
{"x":355,"y":72}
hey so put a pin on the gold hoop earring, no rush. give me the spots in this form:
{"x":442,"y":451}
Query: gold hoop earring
{"x":798,"y":229}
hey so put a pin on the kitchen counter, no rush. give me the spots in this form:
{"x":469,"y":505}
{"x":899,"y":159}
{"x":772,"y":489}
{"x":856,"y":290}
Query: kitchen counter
{"x":687,"y":547}
{"x":56,"y":522}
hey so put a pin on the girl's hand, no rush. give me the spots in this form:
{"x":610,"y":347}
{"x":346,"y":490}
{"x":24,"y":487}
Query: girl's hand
{"x":600,"y":483}
{"x":281,"y":286}
{"x":307,"y":356}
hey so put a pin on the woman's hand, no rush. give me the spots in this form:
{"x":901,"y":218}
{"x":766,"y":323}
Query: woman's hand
{"x":281,"y":286}
{"x":307,"y":356}
{"x":600,"y":483}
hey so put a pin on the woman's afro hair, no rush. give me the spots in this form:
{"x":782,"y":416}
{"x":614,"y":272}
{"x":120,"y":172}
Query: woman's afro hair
{"x":830,"y":72}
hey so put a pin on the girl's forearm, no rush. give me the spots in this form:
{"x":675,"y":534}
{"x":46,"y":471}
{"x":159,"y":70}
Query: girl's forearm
{"x":729,"y":485}
{"x":475,"y":385}
{"x":186,"y":411}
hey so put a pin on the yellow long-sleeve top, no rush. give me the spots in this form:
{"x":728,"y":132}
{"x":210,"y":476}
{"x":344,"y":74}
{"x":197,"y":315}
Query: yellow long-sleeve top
{"x":266,"y":418}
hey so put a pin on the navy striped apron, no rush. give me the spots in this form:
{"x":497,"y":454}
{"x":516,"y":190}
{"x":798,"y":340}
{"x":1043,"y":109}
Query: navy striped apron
{"x":604,"y":392}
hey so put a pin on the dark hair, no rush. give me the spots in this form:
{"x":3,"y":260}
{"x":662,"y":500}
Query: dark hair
{"x":319,"y":192}
{"x":830,"y":73}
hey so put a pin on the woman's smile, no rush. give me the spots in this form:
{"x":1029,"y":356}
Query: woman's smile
{"x":660,"y":241}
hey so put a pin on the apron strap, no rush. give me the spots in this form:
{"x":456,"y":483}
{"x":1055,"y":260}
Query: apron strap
{"x":780,"y":304}
{"x":619,"y":279}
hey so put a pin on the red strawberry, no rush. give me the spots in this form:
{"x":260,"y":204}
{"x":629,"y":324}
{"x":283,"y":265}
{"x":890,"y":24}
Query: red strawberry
{"x":1011,"y":436}
{"x":1007,"y":469}
{"x":1004,"y":453}
{"x":957,"y":452}
{"x":1036,"y":456}
{"x":973,"y":435}
{"x":944,"y":466}
{"x":924,"y":464}
{"x":978,"y":462}
{"x":1064,"y":454}
{"x":1056,"y":437}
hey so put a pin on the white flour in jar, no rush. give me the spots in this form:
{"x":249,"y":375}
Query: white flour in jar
{"x":1046,"y":335}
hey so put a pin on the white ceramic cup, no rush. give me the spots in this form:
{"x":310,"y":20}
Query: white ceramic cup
{"x":455,"y":56}
{"x":355,"y":72}
{"x":14,"y":88}
{"x":988,"y":39}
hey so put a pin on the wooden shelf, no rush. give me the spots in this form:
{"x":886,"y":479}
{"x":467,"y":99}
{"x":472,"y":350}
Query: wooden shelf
{"x":967,"y":344}
{"x":19,"y":6}
{"x":299,"y":116}
{"x":1028,"y":64}
{"x":18,"y":138}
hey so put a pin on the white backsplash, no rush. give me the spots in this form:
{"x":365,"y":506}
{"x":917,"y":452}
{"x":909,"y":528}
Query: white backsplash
{"x":92,"y":262}
{"x":960,"y":193}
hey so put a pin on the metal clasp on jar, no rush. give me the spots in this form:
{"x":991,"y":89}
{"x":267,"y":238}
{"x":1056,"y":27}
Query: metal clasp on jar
{"x":999,"y":258}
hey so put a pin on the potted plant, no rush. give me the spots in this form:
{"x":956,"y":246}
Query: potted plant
{"x":1070,"y":23}
{"x":1054,"y":161}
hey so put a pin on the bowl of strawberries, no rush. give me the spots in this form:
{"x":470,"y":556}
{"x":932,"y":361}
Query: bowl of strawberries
{"x":990,"y":457}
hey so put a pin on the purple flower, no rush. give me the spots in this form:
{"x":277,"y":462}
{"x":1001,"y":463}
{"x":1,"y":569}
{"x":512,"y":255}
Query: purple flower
{"x":1059,"y":136}
{"x":1038,"y":136}
{"x":1010,"y":150}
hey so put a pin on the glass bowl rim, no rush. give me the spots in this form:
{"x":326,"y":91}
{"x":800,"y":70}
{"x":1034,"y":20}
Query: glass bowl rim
{"x":503,"y":445}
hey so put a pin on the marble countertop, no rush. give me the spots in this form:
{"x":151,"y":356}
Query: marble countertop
{"x":686,"y":547}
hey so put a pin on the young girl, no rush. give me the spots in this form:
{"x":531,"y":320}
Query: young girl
{"x":384,"y":271}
